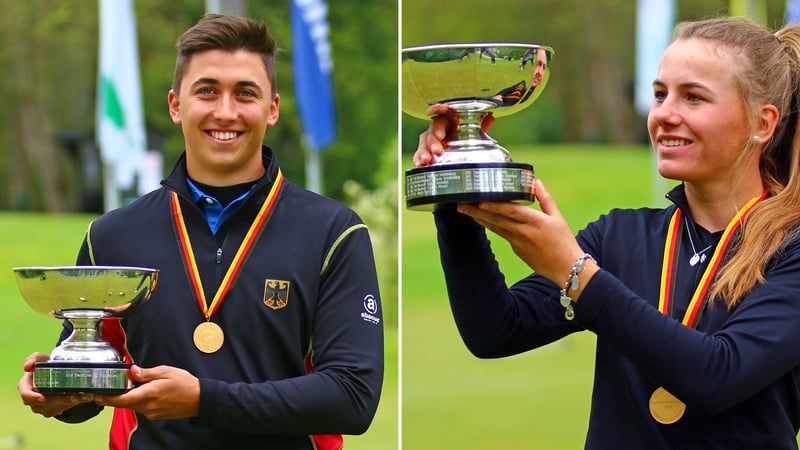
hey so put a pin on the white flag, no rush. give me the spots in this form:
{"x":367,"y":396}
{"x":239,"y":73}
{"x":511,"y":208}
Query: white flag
{"x":654,"y":22}
{"x":120,"y":119}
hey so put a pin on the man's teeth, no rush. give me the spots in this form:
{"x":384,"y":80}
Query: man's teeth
{"x":674,"y":142}
{"x":224,"y":135}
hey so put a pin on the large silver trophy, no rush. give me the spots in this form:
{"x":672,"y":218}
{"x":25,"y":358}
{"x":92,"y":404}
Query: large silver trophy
{"x":473,"y":80}
{"x":84,"y":295}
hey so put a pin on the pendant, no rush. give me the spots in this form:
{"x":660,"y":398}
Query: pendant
{"x":665,"y":407}
{"x":697,"y":259}
{"x":208,"y":337}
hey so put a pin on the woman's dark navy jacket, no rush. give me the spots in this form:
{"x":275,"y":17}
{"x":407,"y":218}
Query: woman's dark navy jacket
{"x":255,"y":391}
{"x":737,"y":372}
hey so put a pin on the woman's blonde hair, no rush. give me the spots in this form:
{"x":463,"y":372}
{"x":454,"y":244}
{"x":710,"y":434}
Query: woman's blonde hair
{"x":768,"y":74}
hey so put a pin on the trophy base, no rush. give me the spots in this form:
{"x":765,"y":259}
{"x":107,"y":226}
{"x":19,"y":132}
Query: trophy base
{"x":81,"y":377}
{"x":431,"y":187}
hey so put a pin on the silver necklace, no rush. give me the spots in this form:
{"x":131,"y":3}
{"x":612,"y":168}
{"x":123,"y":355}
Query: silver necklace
{"x":697,"y":257}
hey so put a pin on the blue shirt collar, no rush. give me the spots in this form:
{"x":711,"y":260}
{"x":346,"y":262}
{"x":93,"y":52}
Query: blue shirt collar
{"x":211,"y":208}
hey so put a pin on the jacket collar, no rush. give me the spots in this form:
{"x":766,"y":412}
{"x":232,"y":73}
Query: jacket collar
{"x":678,"y":196}
{"x":176,"y":180}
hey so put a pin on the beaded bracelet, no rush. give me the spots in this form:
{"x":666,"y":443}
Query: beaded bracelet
{"x":573,"y":283}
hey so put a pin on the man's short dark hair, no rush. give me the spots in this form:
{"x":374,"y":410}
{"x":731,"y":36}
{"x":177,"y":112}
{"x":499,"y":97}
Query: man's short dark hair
{"x":223,"y":32}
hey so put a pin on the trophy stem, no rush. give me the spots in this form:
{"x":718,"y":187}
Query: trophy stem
{"x":85,"y":334}
{"x":85,"y":342}
{"x":467,"y":142}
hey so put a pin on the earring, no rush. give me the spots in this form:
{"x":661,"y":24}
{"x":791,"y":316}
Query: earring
{"x":755,"y":138}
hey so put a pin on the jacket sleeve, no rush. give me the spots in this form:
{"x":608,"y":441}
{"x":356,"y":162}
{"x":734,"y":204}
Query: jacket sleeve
{"x":340,"y":393}
{"x":711,"y":371}
{"x":493,"y":319}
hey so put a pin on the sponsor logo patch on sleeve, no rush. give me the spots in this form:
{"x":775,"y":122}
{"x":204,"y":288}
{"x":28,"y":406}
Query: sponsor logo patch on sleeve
{"x":370,"y":313}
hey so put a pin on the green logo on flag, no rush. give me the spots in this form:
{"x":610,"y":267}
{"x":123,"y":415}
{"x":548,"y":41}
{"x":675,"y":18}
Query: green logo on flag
{"x":112,"y":107}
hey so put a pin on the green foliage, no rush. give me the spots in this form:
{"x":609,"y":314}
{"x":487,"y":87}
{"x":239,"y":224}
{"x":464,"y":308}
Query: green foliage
{"x":364,"y":49}
{"x":378,"y":209}
{"x":593,"y":70}
{"x":51,"y":57}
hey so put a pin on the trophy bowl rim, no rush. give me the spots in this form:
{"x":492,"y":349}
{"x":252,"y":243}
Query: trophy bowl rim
{"x":68,"y":304}
{"x":440,"y":46}
{"x":457,"y":86}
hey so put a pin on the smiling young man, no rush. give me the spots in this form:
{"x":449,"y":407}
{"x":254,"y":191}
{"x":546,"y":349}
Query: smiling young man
{"x":224,"y":102}
{"x":265,"y":329}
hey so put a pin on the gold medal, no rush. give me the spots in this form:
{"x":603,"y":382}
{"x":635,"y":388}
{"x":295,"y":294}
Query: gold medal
{"x":665,"y":407}
{"x":208,"y":337}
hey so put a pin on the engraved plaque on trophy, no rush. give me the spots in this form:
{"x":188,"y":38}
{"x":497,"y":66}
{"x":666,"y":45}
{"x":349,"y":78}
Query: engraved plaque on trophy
{"x":84,"y":295}
{"x":473,"y":80}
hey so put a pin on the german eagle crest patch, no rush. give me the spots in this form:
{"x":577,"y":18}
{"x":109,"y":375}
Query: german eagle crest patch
{"x":276,"y":293}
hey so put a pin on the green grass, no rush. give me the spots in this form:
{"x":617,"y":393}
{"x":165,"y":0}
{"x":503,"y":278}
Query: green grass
{"x":539,"y":399}
{"x":449,"y":398}
{"x":42,"y":239}
{"x":36,"y":239}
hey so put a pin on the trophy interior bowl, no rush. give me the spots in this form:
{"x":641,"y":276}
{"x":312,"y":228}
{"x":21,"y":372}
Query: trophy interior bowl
{"x":85,"y":291}
{"x":504,"y":78}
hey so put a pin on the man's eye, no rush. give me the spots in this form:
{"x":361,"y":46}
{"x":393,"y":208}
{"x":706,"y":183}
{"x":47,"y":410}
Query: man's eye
{"x":205,"y":91}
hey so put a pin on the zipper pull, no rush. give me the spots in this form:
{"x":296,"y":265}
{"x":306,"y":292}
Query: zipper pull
{"x":219,"y":255}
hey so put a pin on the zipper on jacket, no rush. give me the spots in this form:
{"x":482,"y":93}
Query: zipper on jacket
{"x":219,"y":255}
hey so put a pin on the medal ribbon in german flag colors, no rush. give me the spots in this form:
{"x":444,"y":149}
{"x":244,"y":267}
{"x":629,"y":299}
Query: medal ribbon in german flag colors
{"x":669,"y":266}
{"x":664,"y":407}
{"x":208,"y":336}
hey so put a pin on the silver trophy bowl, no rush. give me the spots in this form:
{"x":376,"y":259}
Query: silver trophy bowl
{"x":84,"y":295}
{"x":473,"y":80}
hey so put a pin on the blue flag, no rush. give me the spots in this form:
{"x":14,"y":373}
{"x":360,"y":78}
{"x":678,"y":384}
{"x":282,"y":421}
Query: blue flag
{"x":312,"y":66}
{"x":792,"y":11}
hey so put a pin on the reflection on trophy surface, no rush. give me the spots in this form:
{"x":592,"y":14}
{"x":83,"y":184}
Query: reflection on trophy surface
{"x":473,"y":80}
{"x":84,"y":295}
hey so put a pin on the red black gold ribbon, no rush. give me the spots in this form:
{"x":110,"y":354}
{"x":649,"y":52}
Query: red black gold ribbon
{"x":669,"y":265}
{"x":665,"y":407}
{"x":241,"y":254}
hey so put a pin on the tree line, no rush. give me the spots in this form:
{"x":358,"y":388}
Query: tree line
{"x":49,"y":158}
{"x":589,"y":97}
{"x":48,"y":155}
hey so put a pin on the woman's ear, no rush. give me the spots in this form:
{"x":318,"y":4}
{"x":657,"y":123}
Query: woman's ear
{"x":767,"y":121}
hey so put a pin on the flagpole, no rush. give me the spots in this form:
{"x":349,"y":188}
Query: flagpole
{"x":312,"y":66}
{"x":111,"y":195}
{"x":229,"y":7}
{"x":313,"y":170}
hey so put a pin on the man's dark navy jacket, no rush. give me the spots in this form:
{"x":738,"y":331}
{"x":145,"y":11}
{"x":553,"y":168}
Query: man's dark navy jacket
{"x":311,"y":364}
